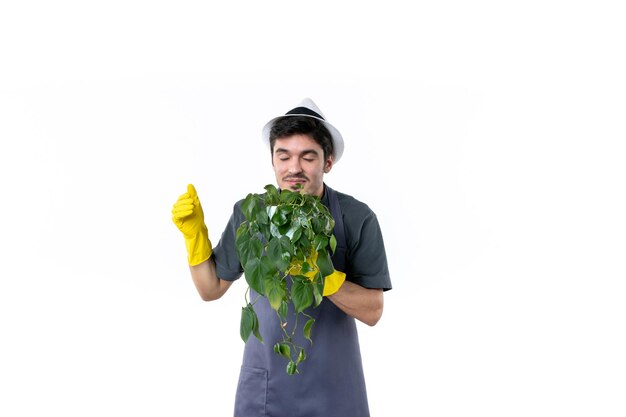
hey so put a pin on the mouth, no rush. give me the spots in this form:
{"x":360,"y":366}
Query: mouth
{"x":295,"y":182}
{"x":294,"y":179}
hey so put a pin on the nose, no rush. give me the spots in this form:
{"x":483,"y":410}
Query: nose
{"x":294,"y":166}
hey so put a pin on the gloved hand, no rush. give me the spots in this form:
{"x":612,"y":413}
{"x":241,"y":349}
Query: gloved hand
{"x":332,"y":282}
{"x":188,"y":216}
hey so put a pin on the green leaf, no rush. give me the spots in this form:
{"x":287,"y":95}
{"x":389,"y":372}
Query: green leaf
{"x":324,"y":263}
{"x":248,"y":248}
{"x":308,"y":327}
{"x":275,"y":291}
{"x":318,"y":289}
{"x":281,"y":216}
{"x":274,"y":232}
{"x":254,"y":228}
{"x":271,"y":197}
{"x":242,"y":229}
{"x":304,"y":245}
{"x":306,"y":267}
{"x":255,"y":329}
{"x":245,"y":325}
{"x":297,"y":232}
{"x":283,"y":310}
{"x":284,"y":229}
{"x":301,"y":293}
{"x":251,"y":206}
{"x":262,"y":217}
{"x":249,"y":323}
{"x":318,"y":223}
{"x":292,"y":368}
{"x":299,"y":218}
{"x":257,"y":270}
{"x":283,"y":350}
{"x":289,"y":197}
{"x":333,"y":243}
{"x":242,"y":238}
{"x":320,"y":242}
{"x":264,"y":229}
{"x":330,"y":225}
{"x":280,"y":250}
{"x":301,"y":356}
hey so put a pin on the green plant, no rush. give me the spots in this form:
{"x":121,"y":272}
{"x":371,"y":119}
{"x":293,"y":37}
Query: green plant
{"x":285,"y":247}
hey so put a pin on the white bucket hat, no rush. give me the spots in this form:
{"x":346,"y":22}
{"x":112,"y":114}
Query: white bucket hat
{"x":308,"y":108}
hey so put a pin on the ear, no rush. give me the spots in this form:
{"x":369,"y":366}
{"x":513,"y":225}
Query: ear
{"x":328,"y":165}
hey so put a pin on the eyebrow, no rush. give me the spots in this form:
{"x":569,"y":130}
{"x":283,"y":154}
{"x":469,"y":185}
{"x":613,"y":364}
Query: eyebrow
{"x":304,"y":152}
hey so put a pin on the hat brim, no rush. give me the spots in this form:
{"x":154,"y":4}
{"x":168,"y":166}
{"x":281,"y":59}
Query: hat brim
{"x":334,"y":134}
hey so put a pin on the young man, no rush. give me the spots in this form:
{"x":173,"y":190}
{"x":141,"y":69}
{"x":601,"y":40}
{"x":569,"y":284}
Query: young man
{"x":304,"y":147}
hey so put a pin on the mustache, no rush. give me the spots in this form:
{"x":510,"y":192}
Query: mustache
{"x":295,"y":177}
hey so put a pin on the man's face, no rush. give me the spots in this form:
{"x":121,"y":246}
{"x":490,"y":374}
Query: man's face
{"x":298,"y":159}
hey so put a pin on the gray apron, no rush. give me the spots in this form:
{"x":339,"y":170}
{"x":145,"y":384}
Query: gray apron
{"x":330,"y":382}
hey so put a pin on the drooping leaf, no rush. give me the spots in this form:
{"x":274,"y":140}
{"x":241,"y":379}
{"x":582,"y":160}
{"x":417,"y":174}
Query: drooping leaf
{"x":318,"y":224}
{"x":292,"y":368}
{"x":257,"y":270}
{"x":324,"y":263}
{"x":330,"y":225}
{"x":262,"y":218}
{"x":333,"y":243}
{"x":283,"y":310}
{"x":274,"y":232}
{"x":245,"y":325}
{"x":283,"y":350}
{"x":318,"y":289}
{"x":301,"y":293}
{"x":249,"y":323}
{"x":280,"y":251}
{"x":306,"y":331}
{"x":264,"y":230}
{"x":301,"y":356}
{"x":248,"y":248}
{"x":274,"y":291}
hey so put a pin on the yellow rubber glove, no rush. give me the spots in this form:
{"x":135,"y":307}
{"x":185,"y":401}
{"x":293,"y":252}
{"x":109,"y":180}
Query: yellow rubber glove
{"x":332,"y":282}
{"x":188,"y":216}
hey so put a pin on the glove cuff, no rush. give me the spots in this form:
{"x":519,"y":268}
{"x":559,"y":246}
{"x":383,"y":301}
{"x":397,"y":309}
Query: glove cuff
{"x":199,"y":249}
{"x":333,"y":282}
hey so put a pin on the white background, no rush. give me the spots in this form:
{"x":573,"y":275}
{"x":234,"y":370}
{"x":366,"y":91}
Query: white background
{"x":486,"y":135}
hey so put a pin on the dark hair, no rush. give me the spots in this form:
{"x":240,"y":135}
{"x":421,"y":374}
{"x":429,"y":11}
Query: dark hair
{"x":293,"y":125}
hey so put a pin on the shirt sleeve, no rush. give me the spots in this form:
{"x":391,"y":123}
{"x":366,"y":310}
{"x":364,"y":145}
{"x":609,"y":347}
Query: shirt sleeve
{"x":228,"y":266}
{"x":366,"y":258}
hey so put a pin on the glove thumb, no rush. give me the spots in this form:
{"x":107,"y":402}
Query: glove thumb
{"x":191,"y":190}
